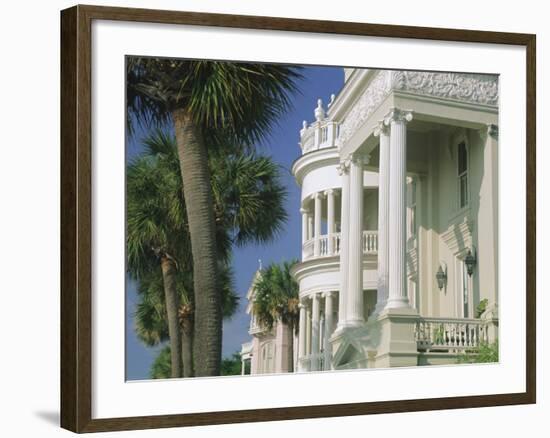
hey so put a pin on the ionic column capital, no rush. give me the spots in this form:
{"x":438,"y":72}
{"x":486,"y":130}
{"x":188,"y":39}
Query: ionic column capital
{"x":329,"y":192}
{"x":343,"y":167}
{"x":318,"y":195}
{"x":397,"y":115}
{"x":381,"y":129}
{"x":304,"y":211}
{"x":327,"y":294}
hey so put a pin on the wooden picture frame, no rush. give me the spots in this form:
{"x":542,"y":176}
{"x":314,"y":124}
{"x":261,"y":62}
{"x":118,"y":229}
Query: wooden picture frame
{"x":76,"y":217}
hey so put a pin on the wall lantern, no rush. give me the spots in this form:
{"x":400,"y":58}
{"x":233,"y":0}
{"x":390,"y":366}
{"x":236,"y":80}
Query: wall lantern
{"x":470,"y":261}
{"x":441,"y":277}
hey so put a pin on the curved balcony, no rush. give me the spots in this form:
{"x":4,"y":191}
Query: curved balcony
{"x":329,"y":245}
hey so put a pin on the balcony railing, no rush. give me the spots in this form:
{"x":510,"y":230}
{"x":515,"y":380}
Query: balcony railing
{"x":329,"y":245}
{"x":450,"y":335}
{"x":313,"y":362}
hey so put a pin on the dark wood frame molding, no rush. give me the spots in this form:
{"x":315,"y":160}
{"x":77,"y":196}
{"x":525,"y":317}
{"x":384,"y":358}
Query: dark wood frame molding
{"x":76,"y":173}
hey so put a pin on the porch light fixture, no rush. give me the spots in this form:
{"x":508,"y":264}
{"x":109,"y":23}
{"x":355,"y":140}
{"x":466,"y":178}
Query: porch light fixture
{"x":441,"y":277}
{"x":470,"y":261}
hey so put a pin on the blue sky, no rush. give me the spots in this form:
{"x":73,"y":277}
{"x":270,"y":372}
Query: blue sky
{"x":282,"y":146}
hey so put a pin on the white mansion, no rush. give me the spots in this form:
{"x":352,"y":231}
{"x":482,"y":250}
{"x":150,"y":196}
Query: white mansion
{"x":399,"y":225}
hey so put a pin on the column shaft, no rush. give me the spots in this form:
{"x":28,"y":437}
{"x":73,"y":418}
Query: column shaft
{"x":354,"y":307}
{"x":315,"y":314}
{"x":317,"y":226}
{"x":344,"y":245}
{"x":397,"y":221}
{"x":304,"y":225}
{"x":330,"y":220}
{"x":329,"y":327}
{"x":383,"y":216}
{"x":302,"y":334}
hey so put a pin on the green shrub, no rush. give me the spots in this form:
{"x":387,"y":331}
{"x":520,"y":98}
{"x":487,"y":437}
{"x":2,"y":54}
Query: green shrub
{"x":486,"y":353}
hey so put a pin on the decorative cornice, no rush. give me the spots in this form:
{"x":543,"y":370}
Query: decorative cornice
{"x":374,"y":94}
{"x":462,"y":87}
{"x":468,"y":87}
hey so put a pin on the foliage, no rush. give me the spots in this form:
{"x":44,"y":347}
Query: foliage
{"x":150,"y":316}
{"x":485,"y":353}
{"x":233,"y":101}
{"x":277,"y":296}
{"x":231,"y":366}
{"x":481,"y":307}
{"x":161,"y":367}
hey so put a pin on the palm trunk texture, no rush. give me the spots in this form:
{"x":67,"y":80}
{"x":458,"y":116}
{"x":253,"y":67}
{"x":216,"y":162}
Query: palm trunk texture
{"x":172,"y":306}
{"x":187,"y":351}
{"x":207,"y":345}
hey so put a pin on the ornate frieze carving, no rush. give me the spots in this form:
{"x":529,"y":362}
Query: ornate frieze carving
{"x":465,"y":87}
{"x":373,"y":96}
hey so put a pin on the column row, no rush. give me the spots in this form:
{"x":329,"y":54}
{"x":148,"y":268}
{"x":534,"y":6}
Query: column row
{"x":311,"y":223}
{"x":316,"y":327}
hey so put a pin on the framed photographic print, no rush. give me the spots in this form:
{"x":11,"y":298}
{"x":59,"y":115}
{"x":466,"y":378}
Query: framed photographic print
{"x":268,"y":218}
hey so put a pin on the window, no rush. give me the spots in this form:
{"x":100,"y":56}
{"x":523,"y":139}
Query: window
{"x":462,"y":170}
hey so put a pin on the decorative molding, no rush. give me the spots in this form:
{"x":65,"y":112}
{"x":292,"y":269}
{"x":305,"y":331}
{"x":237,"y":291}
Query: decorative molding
{"x":372,"y":97}
{"x":459,"y":236}
{"x":463,"y":87}
{"x":467,"y":87}
{"x":492,"y":131}
{"x":381,"y":129}
{"x":397,"y":115}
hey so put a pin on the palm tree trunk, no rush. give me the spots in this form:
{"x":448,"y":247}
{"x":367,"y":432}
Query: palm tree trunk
{"x":187,"y":347}
{"x":172,"y":306}
{"x":197,"y":191}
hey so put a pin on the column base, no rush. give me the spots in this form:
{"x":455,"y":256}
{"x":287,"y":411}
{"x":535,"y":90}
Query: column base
{"x":397,"y":303}
{"x":397,"y":346}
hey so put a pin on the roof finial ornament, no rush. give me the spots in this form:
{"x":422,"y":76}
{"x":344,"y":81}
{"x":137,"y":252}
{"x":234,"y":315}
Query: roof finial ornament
{"x":332,"y":97}
{"x":319,"y":111}
{"x":260,"y":264}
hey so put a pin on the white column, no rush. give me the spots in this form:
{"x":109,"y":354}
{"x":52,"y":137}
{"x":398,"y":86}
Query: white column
{"x":383,"y":132}
{"x":309,"y":226}
{"x":329,"y":327}
{"x":317,"y":227}
{"x":354,"y":304}
{"x":303,"y":211}
{"x":242,"y":367}
{"x":315,"y":314}
{"x":330,"y":220}
{"x":397,"y":120}
{"x":343,"y":170}
{"x":308,"y":329}
{"x":302,"y":335}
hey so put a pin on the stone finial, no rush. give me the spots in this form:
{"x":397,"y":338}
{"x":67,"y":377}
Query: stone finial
{"x":319,"y":111}
{"x":332,"y":97}
{"x":304,"y":124}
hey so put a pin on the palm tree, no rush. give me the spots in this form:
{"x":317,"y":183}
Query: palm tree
{"x":277,"y":299}
{"x":156,"y":237}
{"x":211,"y":105}
{"x":150,"y":316}
{"x":249,"y":201}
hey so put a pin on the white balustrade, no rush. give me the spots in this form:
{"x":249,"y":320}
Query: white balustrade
{"x":450,"y":334}
{"x":307,"y":249}
{"x":370,"y":245}
{"x":370,"y":242}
